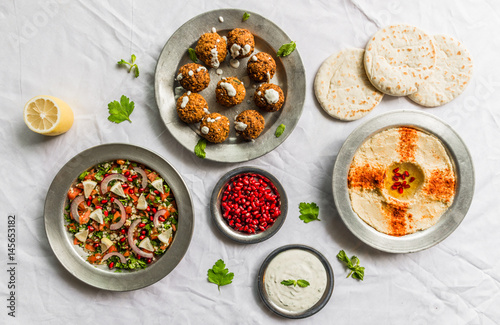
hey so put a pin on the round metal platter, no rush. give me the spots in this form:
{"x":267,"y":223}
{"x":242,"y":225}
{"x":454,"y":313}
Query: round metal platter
{"x":290,"y":76}
{"x":73,"y":258}
{"x":221,"y":223}
{"x":261,"y":283}
{"x":448,"y":222}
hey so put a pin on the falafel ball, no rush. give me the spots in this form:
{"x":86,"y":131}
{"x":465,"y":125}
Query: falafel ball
{"x":193,"y":77}
{"x":191,"y":107}
{"x":249,"y":124}
{"x":211,"y":49}
{"x":269,"y":97}
{"x":240,"y":43}
{"x":230,"y":91}
{"x":215,"y":127}
{"x":261,"y":67}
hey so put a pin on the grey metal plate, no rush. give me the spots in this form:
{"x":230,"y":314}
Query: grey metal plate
{"x":448,"y":222}
{"x":261,"y":283}
{"x":220,"y":222}
{"x":73,"y":258}
{"x":290,"y":76}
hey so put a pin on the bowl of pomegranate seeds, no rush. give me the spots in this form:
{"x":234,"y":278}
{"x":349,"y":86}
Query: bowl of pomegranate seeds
{"x":248,"y":205}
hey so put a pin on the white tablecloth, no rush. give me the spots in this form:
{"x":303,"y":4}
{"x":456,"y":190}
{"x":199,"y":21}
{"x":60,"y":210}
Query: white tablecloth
{"x":69,"y":49}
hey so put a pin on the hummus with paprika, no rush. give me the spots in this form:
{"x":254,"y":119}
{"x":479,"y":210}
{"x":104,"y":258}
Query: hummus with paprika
{"x":401,"y":180}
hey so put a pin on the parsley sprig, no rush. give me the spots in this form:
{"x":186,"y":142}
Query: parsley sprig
{"x":220,"y":275}
{"x":199,"y":149}
{"x":287,"y":49}
{"x":131,"y":64}
{"x":357,"y":272}
{"x":308,"y":212}
{"x":279,"y":130}
{"x":120,"y":111}
{"x":301,"y":283}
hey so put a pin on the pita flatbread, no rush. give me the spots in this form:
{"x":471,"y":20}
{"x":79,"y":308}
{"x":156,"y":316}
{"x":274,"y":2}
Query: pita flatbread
{"x":342,"y":87}
{"x":452,"y":74}
{"x":399,"y":58}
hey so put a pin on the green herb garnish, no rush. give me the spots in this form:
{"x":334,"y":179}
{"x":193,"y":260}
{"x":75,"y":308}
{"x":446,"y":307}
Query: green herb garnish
{"x":279,"y":130}
{"x":219,"y":275}
{"x":120,"y":111}
{"x":286,"y":49}
{"x":300,"y":283}
{"x":308,"y":212}
{"x":131,"y":64}
{"x":199,"y":149}
{"x":246,"y":15}
{"x":357,"y":272}
{"x":192,"y":55}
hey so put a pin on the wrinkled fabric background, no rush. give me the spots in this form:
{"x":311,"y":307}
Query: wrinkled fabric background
{"x":69,"y":49}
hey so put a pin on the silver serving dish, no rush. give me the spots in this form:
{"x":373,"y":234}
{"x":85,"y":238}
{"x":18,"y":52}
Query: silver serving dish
{"x":261,"y":283}
{"x":448,"y":222}
{"x":290,"y":76}
{"x":73,"y":258}
{"x":221,"y":223}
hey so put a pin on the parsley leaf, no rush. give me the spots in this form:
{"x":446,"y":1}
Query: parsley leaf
{"x":192,"y":55}
{"x":246,"y":15}
{"x":279,"y":130}
{"x":131,"y":64}
{"x":120,"y":111}
{"x":357,"y":272}
{"x":309,"y":212}
{"x":288,"y":282}
{"x":302,"y":283}
{"x":199,"y":149}
{"x":287,"y":49}
{"x":219,"y":275}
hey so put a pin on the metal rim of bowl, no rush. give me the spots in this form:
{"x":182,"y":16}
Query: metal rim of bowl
{"x":314,"y":309}
{"x":220,"y":222}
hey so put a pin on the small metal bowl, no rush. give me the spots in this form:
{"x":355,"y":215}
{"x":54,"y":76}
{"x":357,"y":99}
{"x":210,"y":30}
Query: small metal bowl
{"x":261,"y":283}
{"x":221,"y":223}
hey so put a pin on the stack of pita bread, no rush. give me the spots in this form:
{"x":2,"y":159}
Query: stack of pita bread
{"x":399,"y":60}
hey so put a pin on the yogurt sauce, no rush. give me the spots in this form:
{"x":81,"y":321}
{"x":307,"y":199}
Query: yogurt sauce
{"x":295,"y":264}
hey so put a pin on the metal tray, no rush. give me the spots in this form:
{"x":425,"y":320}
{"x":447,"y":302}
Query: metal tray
{"x":448,"y":222}
{"x":290,"y":76}
{"x":73,"y":258}
{"x":261,"y":281}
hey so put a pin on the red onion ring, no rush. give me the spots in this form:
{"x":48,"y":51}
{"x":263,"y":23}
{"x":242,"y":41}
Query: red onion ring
{"x":157,"y":215}
{"x":120,"y":223}
{"x":144,"y":179}
{"x":74,"y":207}
{"x":130,"y":238}
{"x":120,"y":256}
{"x":109,"y":178}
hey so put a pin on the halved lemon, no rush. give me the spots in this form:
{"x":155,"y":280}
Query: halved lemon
{"x":48,"y":115}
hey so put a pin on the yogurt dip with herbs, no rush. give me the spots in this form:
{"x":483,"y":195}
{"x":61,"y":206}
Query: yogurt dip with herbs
{"x":295,"y":264}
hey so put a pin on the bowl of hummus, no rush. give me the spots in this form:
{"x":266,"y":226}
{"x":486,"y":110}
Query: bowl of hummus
{"x":403,"y":181}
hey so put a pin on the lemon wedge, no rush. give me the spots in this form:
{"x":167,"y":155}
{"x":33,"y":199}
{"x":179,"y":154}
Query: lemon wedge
{"x":164,"y":237}
{"x":88,"y":187}
{"x":48,"y":115}
{"x":158,"y":184}
{"x":105,"y":244}
{"x":97,"y":215}
{"x":82,"y":235}
{"x":117,"y":189}
{"x":146,"y":244}
{"x":141,"y":203}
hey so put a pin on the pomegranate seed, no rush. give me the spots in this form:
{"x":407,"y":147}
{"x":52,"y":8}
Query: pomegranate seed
{"x":412,"y":179}
{"x":400,"y":190}
{"x":157,"y":192}
{"x":104,"y":201}
{"x":141,"y":190}
{"x":91,"y":228}
{"x":397,"y":174}
{"x":148,"y":208}
{"x":124,"y":185}
{"x":149,"y":261}
{"x":96,"y":245}
{"x":142,"y":224}
{"x":151,"y":218}
{"x":134,"y":176}
{"x":127,"y":173}
{"x":406,"y":173}
{"x":161,"y":219}
{"x":98,"y":207}
{"x":403,"y":176}
{"x":395,"y":178}
{"x":123,"y":231}
{"x":130,"y":179}
{"x":106,"y":213}
{"x":397,"y":183}
{"x":407,"y":186}
{"x":112,"y":199}
{"x":111,"y":265}
{"x":123,"y":239}
{"x":144,"y":232}
{"x":141,"y":237}
{"x":395,"y":170}
{"x":154,"y":210}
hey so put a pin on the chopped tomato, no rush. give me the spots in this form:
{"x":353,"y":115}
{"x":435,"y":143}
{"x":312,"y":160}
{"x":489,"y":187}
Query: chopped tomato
{"x":120,"y":162}
{"x":94,"y":258}
{"x":128,"y":209}
{"x":73,"y":192}
{"x":90,"y":247}
{"x":117,"y":215}
{"x":85,"y":217}
{"x":152,"y":176}
{"x":112,"y":249}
